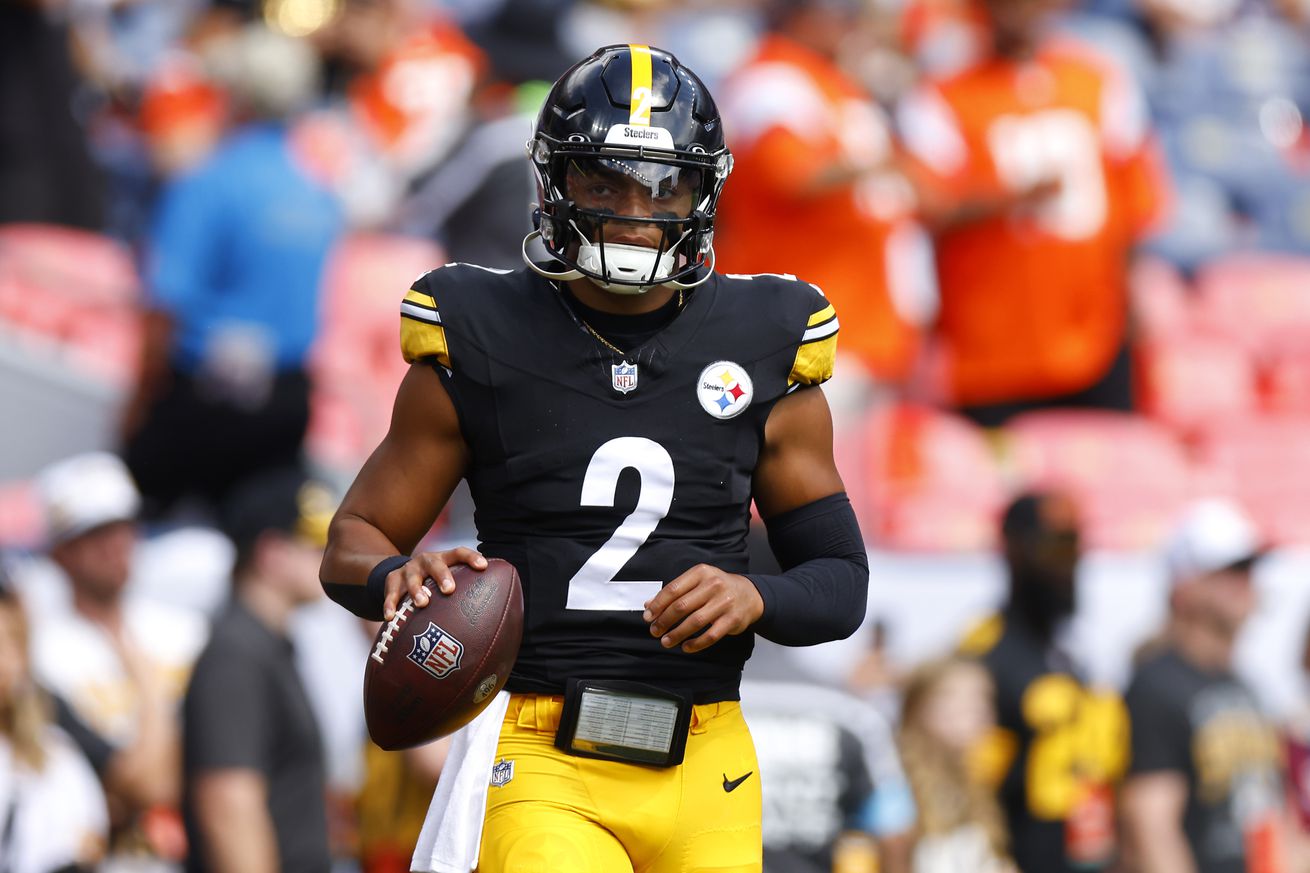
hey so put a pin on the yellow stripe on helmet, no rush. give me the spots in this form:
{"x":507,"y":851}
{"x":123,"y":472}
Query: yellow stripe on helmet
{"x":639,"y":112}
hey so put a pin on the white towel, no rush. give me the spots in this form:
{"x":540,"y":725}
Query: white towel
{"x":452,"y":832}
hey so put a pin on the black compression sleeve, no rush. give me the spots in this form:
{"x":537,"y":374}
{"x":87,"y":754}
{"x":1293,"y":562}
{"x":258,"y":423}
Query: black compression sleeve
{"x":821,"y":594}
{"x":366,"y":600}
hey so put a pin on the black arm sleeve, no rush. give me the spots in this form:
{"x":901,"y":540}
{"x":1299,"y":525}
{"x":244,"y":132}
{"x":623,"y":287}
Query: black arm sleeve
{"x":366,"y":600}
{"x":822,"y":591}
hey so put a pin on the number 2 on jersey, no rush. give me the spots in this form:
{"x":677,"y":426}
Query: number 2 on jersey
{"x":594,"y":585}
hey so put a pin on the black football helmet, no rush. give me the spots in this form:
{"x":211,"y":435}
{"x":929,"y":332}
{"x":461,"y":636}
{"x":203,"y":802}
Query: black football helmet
{"x":628,"y":117}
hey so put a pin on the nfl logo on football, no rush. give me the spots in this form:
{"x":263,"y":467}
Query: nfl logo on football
{"x":624,"y":377}
{"x":437,"y":652}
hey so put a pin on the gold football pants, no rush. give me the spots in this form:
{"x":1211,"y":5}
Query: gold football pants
{"x":564,"y":814}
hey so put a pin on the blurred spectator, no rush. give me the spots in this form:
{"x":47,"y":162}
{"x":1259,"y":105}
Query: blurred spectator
{"x":255,"y":796}
{"x":406,"y":77}
{"x":132,"y":655}
{"x":1039,"y":178}
{"x":1059,"y":747}
{"x":835,"y":796}
{"x":478,"y":201}
{"x":182,"y":114}
{"x":55,"y":818}
{"x":523,"y":38}
{"x":435,"y":140}
{"x":949,"y":710}
{"x":234,"y":273}
{"x":1229,"y":86}
{"x":944,"y":36}
{"x":875,"y":677}
{"x":1298,"y":771}
{"x":1203,"y":792}
{"x":46,"y":172}
{"x":813,"y":189}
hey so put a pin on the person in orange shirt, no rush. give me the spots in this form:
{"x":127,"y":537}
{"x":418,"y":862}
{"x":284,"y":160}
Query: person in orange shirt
{"x":1040,"y":174}
{"x":814,"y":190}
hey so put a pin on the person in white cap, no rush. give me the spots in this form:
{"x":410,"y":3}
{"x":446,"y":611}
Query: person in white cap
{"x":1203,"y":793}
{"x":120,"y":663}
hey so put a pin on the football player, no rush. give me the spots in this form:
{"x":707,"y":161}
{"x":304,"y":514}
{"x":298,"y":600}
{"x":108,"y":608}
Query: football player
{"x":615,"y":408}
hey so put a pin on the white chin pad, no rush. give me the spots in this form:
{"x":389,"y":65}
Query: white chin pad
{"x":626,"y":264}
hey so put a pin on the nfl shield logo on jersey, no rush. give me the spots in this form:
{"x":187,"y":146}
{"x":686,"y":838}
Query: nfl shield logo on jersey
{"x":437,"y":652}
{"x":623,"y":377}
{"x":501,"y":772}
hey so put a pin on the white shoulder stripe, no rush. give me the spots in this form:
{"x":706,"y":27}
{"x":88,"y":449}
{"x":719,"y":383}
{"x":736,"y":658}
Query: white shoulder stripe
{"x":498,"y":272}
{"x":420,"y":313}
{"x":787,"y":276}
{"x":828,"y":328}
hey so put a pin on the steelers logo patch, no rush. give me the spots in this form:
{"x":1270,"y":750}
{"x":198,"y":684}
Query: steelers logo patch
{"x":724,"y":389}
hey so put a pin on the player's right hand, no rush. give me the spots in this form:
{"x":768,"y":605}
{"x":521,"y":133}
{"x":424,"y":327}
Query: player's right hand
{"x":408,"y":580}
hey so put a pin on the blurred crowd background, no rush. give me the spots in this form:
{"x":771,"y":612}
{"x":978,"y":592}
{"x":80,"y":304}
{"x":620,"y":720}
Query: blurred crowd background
{"x":1069,"y":245}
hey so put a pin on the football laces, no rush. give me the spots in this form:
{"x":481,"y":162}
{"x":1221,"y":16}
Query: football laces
{"x":392,"y":628}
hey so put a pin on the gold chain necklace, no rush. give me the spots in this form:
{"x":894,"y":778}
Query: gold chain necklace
{"x":606,"y":343}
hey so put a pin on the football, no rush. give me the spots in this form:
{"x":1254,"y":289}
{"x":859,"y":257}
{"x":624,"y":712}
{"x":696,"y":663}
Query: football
{"x":432,"y":670}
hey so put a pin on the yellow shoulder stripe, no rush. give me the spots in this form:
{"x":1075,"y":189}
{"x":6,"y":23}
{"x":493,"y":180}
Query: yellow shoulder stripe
{"x":421,"y":332}
{"x":817,"y":354}
{"x":822,"y":315}
{"x":814,"y":362}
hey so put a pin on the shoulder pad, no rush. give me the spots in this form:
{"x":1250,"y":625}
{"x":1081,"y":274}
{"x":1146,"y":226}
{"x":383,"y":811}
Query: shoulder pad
{"x":805,"y":317}
{"x":817,"y":354}
{"x":421,"y":332}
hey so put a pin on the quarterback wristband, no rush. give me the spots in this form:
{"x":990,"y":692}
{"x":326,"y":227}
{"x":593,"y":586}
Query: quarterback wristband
{"x":365,"y":600}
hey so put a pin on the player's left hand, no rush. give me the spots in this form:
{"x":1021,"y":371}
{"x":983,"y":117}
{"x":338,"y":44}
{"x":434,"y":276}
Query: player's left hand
{"x":701,"y":607}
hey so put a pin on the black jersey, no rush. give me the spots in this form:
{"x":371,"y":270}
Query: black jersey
{"x":1207,"y":727}
{"x":1058,"y":749}
{"x":602,"y":476}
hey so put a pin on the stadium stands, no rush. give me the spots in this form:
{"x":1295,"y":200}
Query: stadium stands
{"x":1260,"y":300}
{"x":1189,"y":380}
{"x":356,"y":362}
{"x":72,"y":290}
{"x":1263,"y":462}
{"x":1128,"y":474}
{"x":928,"y":482}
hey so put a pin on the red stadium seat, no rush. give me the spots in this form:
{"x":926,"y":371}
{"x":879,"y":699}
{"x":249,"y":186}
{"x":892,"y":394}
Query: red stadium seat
{"x":356,"y":361}
{"x":1262,"y":300}
{"x":927,"y":481}
{"x":1287,"y":381}
{"x":95,"y":269}
{"x":1161,"y":303}
{"x":1188,"y":380}
{"x":1264,"y":463}
{"x":76,"y":289}
{"x":1129,"y":474}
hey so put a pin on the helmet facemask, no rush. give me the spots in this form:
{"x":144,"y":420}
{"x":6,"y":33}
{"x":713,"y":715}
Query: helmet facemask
{"x":629,"y":219}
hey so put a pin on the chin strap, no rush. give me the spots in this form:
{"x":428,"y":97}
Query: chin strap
{"x":574,"y":273}
{"x":563,"y":276}
{"x":704,"y":275}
